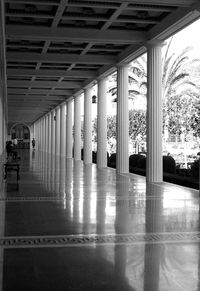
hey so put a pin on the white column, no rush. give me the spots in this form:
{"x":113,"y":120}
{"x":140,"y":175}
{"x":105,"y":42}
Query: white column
{"x":49,"y":133}
{"x":37,"y":137}
{"x":87,"y":149}
{"x":57,"y":145}
{"x":1,"y":128}
{"x":122,"y":120}
{"x":69,"y":130}
{"x":53,"y":128}
{"x":34,"y":129}
{"x":46,"y":133}
{"x":34,"y":134}
{"x":102,"y":124}
{"x":154,"y":113}
{"x":77,"y":128}
{"x":40,"y":134}
{"x":41,"y":140}
{"x":63,"y":130}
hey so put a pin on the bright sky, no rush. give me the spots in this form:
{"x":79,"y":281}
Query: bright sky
{"x":188,"y":37}
{"x":181,"y":40}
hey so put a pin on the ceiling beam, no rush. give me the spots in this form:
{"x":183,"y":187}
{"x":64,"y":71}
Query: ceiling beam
{"x":41,"y":2}
{"x":178,"y":3}
{"x":40,"y":91}
{"x":52,"y":73}
{"x":45,"y":84}
{"x":32,"y":103}
{"x":59,"y":58}
{"x":22,"y":13}
{"x":30,"y":108}
{"x":121,"y":19}
{"x":138,"y":6}
{"x":109,"y":3}
{"x":173,"y":23}
{"x":59,"y":12}
{"x":74,"y":34}
{"x":34,"y":97}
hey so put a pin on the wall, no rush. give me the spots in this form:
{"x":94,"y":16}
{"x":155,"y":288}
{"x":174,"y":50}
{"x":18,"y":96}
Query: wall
{"x":3,"y":93}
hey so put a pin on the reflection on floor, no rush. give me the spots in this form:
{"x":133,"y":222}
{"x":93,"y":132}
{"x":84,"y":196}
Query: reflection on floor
{"x":69,"y":226}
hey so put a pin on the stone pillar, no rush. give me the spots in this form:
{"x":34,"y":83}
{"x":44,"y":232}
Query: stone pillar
{"x":34,"y":129}
{"x":122,"y":120}
{"x":40,"y":134}
{"x":154,"y":171}
{"x":77,"y":128}
{"x":87,"y":149}
{"x":53,"y":126}
{"x":35,"y":135}
{"x":41,"y":139}
{"x":63,"y":130}
{"x":1,"y":128}
{"x":38,"y":131}
{"x":49,"y":133}
{"x":69,"y":136}
{"x":43,"y":134}
{"x":46,"y":133}
{"x":102,"y":124}
{"x":57,"y":144}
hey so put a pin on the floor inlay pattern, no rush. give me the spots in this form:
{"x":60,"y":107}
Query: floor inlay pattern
{"x":85,"y":240}
{"x":50,"y":198}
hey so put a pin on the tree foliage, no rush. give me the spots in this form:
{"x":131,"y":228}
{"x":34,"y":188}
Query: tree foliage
{"x":180,"y":91}
{"x":181,"y":102}
{"x":137,"y":128}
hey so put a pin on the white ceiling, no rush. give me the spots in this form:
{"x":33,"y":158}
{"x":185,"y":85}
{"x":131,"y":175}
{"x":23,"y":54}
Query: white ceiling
{"x":55,"y":48}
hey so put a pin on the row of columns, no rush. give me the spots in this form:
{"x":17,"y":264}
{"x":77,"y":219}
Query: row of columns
{"x":54,"y":131}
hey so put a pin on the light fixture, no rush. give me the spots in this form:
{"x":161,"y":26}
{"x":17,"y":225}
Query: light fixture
{"x":94,"y":99}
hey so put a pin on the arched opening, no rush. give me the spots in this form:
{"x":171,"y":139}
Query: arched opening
{"x":21,"y":132}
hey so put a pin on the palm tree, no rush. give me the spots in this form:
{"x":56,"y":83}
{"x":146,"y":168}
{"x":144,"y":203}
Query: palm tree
{"x":180,"y":89}
{"x":137,"y":80}
{"x":177,"y":86}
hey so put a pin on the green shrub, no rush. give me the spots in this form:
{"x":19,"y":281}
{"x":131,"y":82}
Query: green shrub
{"x":195,"y":169}
{"x":141,"y":163}
{"x":133,"y":159}
{"x":169,"y":165}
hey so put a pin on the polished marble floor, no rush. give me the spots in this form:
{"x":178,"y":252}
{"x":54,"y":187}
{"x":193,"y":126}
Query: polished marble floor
{"x":69,"y":226}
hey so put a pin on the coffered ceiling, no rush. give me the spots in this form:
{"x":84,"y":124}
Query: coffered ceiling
{"x":54,"y":48}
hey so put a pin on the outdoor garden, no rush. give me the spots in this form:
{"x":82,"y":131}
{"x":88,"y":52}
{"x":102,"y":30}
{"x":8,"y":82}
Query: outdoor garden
{"x":181,"y":116}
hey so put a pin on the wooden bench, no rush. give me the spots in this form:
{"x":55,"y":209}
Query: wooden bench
{"x":11,"y":166}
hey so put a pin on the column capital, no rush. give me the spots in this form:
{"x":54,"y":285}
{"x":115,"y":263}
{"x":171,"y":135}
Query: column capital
{"x":70,"y":99}
{"x":123,"y":65}
{"x":77,"y":96}
{"x":155,"y":43}
{"x":101,"y":78}
{"x":90,"y":86}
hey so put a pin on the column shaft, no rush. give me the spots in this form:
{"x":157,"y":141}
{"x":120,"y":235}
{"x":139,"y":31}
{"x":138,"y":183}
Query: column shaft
{"x":49,"y":133}
{"x":46,"y":133}
{"x":40,"y":134}
{"x":53,"y":126}
{"x":57,"y":144}
{"x":69,"y":136}
{"x":63,"y":130}
{"x":102,"y":124}
{"x":77,"y":128}
{"x":122,"y":120}
{"x":154,"y":114}
{"x":43,"y":134}
{"x":87,"y":156}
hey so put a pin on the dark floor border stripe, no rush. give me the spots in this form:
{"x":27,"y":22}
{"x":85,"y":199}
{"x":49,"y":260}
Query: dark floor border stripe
{"x":49,"y":198}
{"x":88,"y":240}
